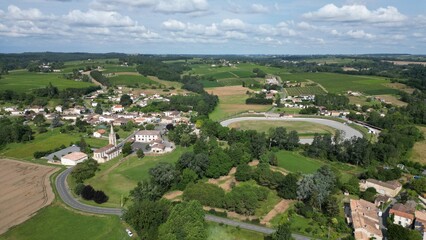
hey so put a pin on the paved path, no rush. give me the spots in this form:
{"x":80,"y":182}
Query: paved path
{"x":348,"y":131}
{"x":68,"y":198}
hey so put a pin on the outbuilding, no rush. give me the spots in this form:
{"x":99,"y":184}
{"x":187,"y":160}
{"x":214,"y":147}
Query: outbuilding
{"x":73,"y":158}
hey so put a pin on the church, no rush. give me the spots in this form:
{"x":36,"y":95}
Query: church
{"x":110,"y":151}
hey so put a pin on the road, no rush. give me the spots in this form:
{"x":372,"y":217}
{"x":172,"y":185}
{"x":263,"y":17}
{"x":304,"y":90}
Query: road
{"x":68,"y":198}
{"x":348,"y":131}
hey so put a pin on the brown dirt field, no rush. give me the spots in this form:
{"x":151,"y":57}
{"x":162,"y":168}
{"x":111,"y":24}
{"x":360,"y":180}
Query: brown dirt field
{"x":172,"y":195}
{"x":401,"y":63}
{"x":400,"y":86}
{"x":24,"y":189}
{"x":228,"y":91}
{"x":225,"y":182}
{"x":253,"y":163}
{"x":392,"y":99}
{"x":281,"y":207}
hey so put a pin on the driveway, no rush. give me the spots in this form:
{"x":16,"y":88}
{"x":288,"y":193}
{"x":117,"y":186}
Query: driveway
{"x":348,"y":132}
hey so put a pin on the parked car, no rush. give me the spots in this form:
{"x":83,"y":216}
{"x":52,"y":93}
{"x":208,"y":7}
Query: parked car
{"x":129,"y":232}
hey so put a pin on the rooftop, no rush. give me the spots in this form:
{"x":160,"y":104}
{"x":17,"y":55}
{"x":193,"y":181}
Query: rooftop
{"x":365,"y":216}
{"x":148,"y":132}
{"x":75,"y":156}
{"x":390,"y":184}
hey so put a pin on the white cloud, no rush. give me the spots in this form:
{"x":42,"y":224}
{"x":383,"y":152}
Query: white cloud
{"x":98,"y":18}
{"x":359,"y":34}
{"x":233,"y":24}
{"x":181,"y":6}
{"x":174,"y":25}
{"x":258,"y":8}
{"x":356,"y":13}
{"x":15,"y":13}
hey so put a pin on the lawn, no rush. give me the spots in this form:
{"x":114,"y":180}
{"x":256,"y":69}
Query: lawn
{"x":340,"y":83}
{"x":295,"y":162}
{"x":232,"y":101}
{"x":24,"y":81}
{"x":305,"y":129}
{"x":222,"y":232}
{"x":130,"y":80}
{"x":56,"y":222}
{"x":45,"y":141}
{"x":418,"y":152}
{"x":117,"y":181}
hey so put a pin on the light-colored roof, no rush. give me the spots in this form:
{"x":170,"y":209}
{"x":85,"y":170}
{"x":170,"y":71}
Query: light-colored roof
{"x":420,"y":215}
{"x":101,"y":131}
{"x":159,"y":145}
{"x":148,"y":132}
{"x":390,"y":184}
{"x":75,"y":156}
{"x":365,"y":216}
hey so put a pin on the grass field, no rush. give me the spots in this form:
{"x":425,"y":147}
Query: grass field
{"x":130,"y":80}
{"x":232,"y":101}
{"x":117,"y":181}
{"x":419,"y":150}
{"x":45,"y":141}
{"x":56,"y":222}
{"x":340,"y":83}
{"x":303,"y":128}
{"x":294,"y":162}
{"x":224,"y":232}
{"x":309,"y":90}
{"x":23,"y":81}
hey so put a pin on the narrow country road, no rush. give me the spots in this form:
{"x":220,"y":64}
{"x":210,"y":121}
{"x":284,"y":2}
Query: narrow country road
{"x":348,"y":131}
{"x":68,"y":198}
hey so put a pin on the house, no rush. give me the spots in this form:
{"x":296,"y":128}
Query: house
{"x":403,"y":214}
{"x":158,"y":148}
{"x":108,"y":152}
{"x":73,"y":158}
{"x":167,"y":120}
{"x":121,"y":121}
{"x":99,"y":133}
{"x":36,"y":109}
{"x":117,"y":108}
{"x":365,"y":220}
{"x":147,"y":135}
{"x":58,"y":108}
{"x":381,"y":200}
{"x":420,"y":222}
{"x":390,"y":188}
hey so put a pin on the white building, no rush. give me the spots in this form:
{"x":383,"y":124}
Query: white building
{"x":99,"y":133}
{"x":158,"y":148}
{"x":73,"y":158}
{"x":108,"y":152}
{"x":147,"y":135}
{"x":58,"y":108}
{"x":117,"y":108}
{"x":403,"y":214}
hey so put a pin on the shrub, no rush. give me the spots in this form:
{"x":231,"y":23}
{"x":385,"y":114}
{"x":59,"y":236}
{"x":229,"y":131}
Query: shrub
{"x":88,"y":192}
{"x":100,"y":197}
{"x":79,"y":188}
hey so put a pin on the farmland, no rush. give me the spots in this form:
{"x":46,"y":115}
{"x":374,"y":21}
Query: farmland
{"x":309,"y":90}
{"x":294,"y":162}
{"x":23,"y":81}
{"x":56,"y":222}
{"x":232,"y":101}
{"x":25,"y":189}
{"x":130,"y":80}
{"x":340,"y":83}
{"x":419,"y":150}
{"x":303,"y":128}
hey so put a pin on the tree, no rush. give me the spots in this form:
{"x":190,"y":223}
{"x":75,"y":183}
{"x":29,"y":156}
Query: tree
{"x":88,"y":192}
{"x":397,"y":232}
{"x":78,"y":188}
{"x":352,"y":186}
{"x":283,"y":233}
{"x":287,"y":188}
{"x":100,"y":197}
{"x":419,"y":185}
{"x":207,"y":194}
{"x":188,"y":176}
{"x":164,"y":175}
{"x":146,"y":217}
{"x":56,"y":121}
{"x":145,"y":190}
{"x":186,"y":221}
{"x":369,"y":194}
{"x":98,"y":109}
{"x":39,"y":119}
{"x":185,"y":140}
{"x":84,"y":170}
{"x":243,"y":173}
{"x":140,"y":153}
{"x":198,"y":163}
{"x":126,"y":100}
{"x":127,"y":149}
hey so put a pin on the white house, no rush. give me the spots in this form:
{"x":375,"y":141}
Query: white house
{"x":158,"y":148}
{"x":99,"y":133}
{"x":147,"y":135}
{"x":73,"y":158}
{"x":403,"y":214}
{"x":117,"y":108}
{"x":94,"y":104}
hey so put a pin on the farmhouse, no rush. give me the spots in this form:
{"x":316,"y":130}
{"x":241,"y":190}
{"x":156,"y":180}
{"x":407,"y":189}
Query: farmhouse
{"x":108,"y":152}
{"x":73,"y":158}
{"x":390,"y":188}
{"x":403,"y":214}
{"x":365,"y":220}
{"x":147,"y":135}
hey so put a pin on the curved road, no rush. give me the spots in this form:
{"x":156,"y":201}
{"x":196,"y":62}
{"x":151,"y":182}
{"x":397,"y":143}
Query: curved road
{"x":68,"y":198}
{"x":348,"y":131}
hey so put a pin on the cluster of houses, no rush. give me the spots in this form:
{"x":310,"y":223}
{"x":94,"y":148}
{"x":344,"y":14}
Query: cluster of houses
{"x":365,"y":216}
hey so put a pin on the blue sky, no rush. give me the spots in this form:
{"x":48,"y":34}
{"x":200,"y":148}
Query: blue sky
{"x":214,"y":27}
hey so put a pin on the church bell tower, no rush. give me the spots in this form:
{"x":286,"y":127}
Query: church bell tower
{"x":112,"y":137}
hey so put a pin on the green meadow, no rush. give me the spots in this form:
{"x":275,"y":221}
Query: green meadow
{"x":130,"y":80}
{"x":24,"y":81}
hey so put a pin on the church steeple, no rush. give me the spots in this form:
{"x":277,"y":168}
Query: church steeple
{"x":112,"y":138}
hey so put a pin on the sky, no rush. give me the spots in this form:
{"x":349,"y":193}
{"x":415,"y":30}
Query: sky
{"x":214,"y":26}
